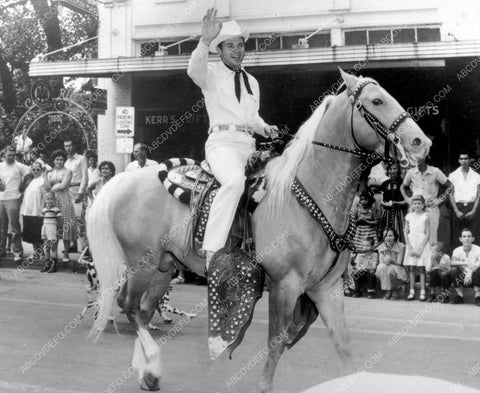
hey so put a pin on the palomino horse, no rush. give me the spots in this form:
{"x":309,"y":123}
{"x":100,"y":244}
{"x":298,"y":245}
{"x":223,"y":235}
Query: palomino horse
{"x":136,"y":226}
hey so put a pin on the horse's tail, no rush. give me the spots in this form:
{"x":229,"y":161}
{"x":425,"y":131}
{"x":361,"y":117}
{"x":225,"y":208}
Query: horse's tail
{"x":108,"y":256}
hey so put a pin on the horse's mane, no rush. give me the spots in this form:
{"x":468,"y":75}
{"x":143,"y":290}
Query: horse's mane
{"x":282,"y":170}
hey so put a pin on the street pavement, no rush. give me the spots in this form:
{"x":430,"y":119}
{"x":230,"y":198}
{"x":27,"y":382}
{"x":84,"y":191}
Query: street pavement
{"x":45,"y":349}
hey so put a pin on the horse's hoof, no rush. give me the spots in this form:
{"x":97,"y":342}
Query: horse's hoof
{"x":150,"y":382}
{"x":216,"y":346}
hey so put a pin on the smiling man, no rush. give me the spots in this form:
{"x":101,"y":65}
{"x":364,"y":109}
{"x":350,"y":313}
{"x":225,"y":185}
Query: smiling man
{"x":232,"y":99}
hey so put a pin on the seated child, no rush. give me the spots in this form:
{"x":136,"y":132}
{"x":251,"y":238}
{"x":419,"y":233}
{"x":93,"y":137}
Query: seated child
{"x":439,"y":269}
{"x":51,"y":217}
{"x":466,"y":267}
{"x":365,"y":265}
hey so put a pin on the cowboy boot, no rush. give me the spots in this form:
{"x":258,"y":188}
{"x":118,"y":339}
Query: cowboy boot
{"x":53,"y":267}
{"x":46,"y":267}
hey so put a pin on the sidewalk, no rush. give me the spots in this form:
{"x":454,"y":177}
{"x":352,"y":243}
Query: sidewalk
{"x":27,"y":263}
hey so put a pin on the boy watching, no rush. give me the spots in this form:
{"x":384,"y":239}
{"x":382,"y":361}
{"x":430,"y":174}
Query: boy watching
{"x":466,"y":266}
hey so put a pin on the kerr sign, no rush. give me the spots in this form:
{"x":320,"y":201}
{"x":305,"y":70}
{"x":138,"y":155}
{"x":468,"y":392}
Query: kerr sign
{"x":125,"y":121}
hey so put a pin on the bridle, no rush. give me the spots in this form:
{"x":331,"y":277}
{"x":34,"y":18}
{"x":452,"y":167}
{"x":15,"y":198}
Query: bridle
{"x":389,"y":134}
{"x":339,"y":243}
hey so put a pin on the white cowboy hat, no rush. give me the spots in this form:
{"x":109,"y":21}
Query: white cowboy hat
{"x":229,"y":30}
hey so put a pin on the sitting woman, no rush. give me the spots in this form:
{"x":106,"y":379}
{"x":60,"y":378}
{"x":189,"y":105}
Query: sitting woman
{"x":390,"y":271}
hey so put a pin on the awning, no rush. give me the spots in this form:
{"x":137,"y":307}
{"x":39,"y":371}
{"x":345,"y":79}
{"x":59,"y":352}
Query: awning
{"x":426,"y":54}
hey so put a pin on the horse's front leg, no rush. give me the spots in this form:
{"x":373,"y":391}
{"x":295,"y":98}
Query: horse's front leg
{"x":281,"y":305}
{"x":329,"y":302}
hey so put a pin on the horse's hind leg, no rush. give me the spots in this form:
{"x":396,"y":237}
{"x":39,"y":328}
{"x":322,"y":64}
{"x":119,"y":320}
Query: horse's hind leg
{"x":329,"y":302}
{"x":146,"y":356}
{"x":281,"y":306}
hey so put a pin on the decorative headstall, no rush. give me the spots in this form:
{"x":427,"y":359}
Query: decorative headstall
{"x":339,"y":243}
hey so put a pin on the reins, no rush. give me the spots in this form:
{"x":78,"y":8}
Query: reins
{"x":339,"y":243}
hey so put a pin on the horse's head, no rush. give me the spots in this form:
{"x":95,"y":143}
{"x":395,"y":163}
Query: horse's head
{"x":377,"y":117}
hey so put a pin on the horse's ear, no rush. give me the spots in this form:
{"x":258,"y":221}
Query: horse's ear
{"x":350,"y":80}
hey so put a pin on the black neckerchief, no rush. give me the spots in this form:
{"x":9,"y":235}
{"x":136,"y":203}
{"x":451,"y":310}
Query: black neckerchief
{"x":238,"y":90}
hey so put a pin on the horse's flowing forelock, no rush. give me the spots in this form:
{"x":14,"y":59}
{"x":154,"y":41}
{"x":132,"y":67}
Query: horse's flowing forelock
{"x":282,"y":170}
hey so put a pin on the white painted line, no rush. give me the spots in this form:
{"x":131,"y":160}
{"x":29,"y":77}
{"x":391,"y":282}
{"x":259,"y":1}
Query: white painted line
{"x":34,"y":388}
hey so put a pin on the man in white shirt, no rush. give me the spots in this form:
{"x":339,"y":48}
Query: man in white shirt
{"x":465,"y":267}
{"x":141,"y":160}
{"x":425,"y":180}
{"x":232,"y":98}
{"x":78,"y":187}
{"x":12,"y":174}
{"x":465,"y":198}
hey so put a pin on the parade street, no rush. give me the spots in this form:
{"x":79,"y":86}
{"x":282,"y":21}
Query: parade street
{"x":46,"y":350}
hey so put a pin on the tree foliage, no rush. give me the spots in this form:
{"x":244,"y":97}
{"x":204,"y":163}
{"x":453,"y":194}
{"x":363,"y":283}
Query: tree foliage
{"x":27,"y":30}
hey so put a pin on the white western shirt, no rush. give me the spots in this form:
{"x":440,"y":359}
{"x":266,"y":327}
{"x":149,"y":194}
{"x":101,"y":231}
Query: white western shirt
{"x":134,"y":165}
{"x":78,"y":165}
{"x":218,"y":87}
{"x":473,"y":259}
{"x":465,"y":188}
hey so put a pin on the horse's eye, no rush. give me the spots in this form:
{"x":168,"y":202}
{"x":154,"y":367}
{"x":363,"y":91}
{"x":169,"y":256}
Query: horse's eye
{"x":377,"y":102}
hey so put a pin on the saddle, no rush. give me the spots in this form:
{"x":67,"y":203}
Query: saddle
{"x":192,"y":182}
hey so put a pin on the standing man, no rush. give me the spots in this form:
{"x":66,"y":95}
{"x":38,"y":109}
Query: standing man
{"x":232,"y":98}
{"x":141,"y":160}
{"x":78,"y":187}
{"x":12,"y":174}
{"x":425,"y":180}
{"x":466,"y":197}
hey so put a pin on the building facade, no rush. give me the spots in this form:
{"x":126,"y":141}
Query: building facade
{"x":426,"y":53}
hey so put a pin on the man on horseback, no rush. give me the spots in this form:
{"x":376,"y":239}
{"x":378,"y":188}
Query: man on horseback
{"x":232,"y":99}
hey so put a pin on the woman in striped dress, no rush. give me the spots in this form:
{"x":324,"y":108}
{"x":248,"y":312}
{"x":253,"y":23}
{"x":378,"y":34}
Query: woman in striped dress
{"x":58,"y":181}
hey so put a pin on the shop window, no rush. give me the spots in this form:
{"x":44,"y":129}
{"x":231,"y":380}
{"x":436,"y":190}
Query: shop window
{"x":380,"y":37}
{"x":358,"y":37}
{"x":148,"y":48}
{"x":188,"y":47}
{"x":428,"y":34}
{"x":319,"y":41}
{"x":403,"y":35}
{"x":290,"y":40}
{"x":269,"y":43}
{"x":250,"y":45}
{"x":173,"y":50}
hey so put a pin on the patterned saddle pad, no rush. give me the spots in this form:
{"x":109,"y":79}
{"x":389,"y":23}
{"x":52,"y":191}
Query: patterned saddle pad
{"x":185,"y":179}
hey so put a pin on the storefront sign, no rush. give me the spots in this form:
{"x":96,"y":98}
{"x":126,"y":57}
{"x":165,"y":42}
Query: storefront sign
{"x":165,"y":119}
{"x":124,"y":145}
{"x":125,"y":121}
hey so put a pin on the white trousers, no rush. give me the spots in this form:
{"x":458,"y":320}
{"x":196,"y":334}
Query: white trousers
{"x":227,"y":153}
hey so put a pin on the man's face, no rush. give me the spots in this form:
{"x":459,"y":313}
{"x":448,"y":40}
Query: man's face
{"x":232,"y":52}
{"x":10,"y":157}
{"x":140,"y":154}
{"x":464,"y":160}
{"x":68,"y":146}
{"x":466,"y":238}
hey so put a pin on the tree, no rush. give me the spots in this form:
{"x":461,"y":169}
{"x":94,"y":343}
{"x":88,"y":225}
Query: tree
{"x":28,"y":29}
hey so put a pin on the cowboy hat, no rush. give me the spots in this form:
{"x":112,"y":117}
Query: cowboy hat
{"x":229,"y":30}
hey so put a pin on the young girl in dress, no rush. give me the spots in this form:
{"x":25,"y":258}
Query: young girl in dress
{"x":367,"y":218}
{"x":417,"y":236}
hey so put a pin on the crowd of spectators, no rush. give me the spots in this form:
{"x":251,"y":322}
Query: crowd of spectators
{"x":396,"y":239}
{"x":45,"y":199}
